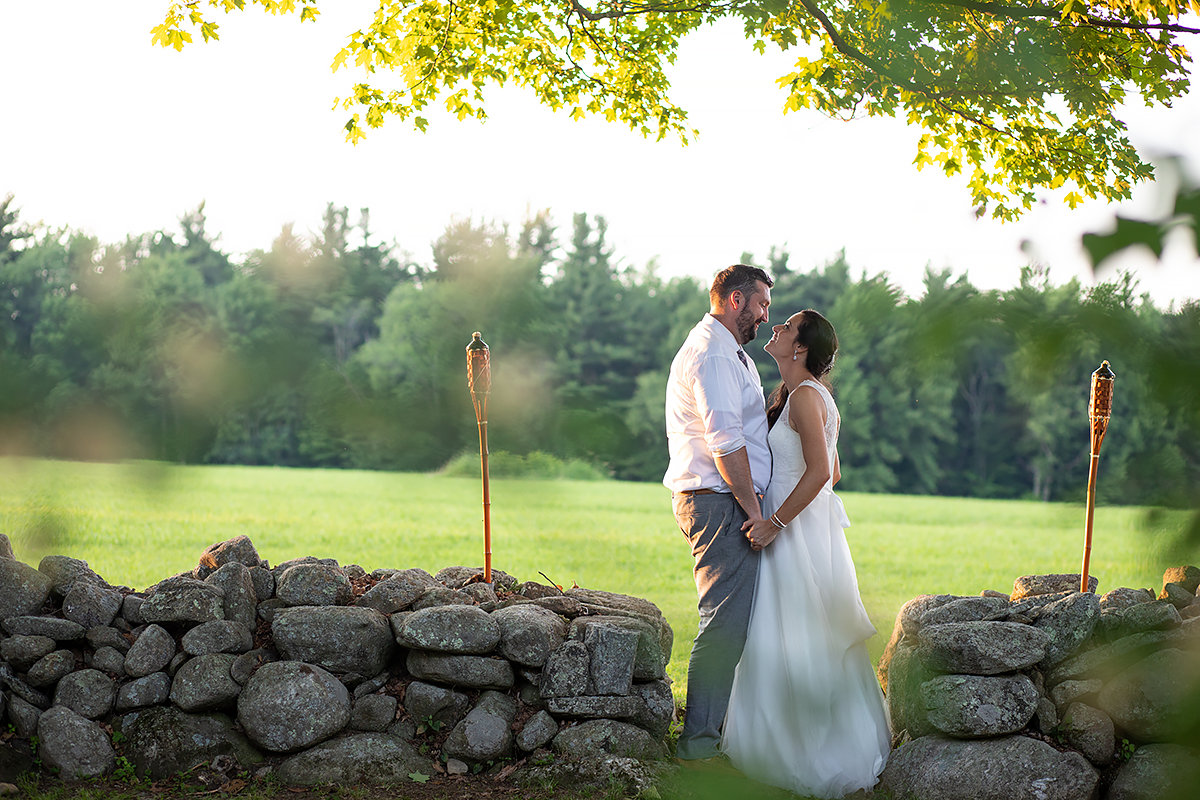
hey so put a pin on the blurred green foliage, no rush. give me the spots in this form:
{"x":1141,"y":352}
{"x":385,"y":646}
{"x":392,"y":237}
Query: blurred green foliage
{"x":339,"y":350}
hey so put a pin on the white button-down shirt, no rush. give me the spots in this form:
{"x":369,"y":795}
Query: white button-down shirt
{"x":715,"y":407}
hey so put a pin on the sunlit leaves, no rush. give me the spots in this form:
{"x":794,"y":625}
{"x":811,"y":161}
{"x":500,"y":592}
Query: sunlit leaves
{"x":1015,"y":98}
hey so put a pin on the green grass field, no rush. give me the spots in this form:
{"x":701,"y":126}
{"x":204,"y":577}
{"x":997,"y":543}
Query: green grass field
{"x":138,"y":523}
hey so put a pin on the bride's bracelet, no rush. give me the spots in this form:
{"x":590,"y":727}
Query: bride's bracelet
{"x":775,"y":521}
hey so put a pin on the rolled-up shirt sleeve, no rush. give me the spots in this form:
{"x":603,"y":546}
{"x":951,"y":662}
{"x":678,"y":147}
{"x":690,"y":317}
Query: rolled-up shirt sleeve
{"x":719,"y":404}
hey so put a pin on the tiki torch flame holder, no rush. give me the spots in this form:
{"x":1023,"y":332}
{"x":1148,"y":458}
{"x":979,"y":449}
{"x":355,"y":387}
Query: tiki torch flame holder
{"x":1099,"y":413}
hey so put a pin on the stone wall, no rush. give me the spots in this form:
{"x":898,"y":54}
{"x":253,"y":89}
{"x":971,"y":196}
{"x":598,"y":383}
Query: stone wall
{"x":321,"y":673}
{"x":1047,"y":693}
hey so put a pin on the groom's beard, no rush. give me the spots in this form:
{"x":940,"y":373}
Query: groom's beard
{"x":747,"y":325}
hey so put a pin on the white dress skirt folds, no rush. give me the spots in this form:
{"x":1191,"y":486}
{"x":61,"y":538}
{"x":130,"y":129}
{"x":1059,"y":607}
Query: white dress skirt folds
{"x":806,"y":713}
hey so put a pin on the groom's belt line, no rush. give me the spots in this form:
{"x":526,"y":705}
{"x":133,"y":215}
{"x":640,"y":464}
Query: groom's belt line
{"x":700,"y":491}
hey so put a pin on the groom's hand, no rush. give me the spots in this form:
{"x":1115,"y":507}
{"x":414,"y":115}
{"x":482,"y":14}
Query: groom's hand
{"x":760,"y":532}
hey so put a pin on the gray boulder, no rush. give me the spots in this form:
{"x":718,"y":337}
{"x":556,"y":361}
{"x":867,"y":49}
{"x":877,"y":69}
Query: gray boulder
{"x":77,"y":747}
{"x":245,"y":664}
{"x":972,"y":707}
{"x":476,"y":672}
{"x":64,"y":572}
{"x":1090,"y":731}
{"x":529,"y":633}
{"x":24,"y":716}
{"x":464,"y":630}
{"x":1177,"y":596}
{"x":399,"y":591}
{"x":107,"y":659}
{"x":600,"y":737}
{"x":314,"y":585}
{"x":238,"y":550}
{"x":1068,"y":623}
{"x":162,"y":742}
{"x":1157,"y":772}
{"x":373,"y":712}
{"x":1157,"y":616}
{"x":184,"y":599}
{"x":908,"y":620}
{"x":241,"y":600}
{"x":964,"y":609}
{"x":289,"y":705}
{"x":441,"y":596}
{"x":481,"y":593}
{"x":981,"y":648}
{"x":364,"y":759}
{"x":1046,"y":716}
{"x":906,"y":704}
{"x":594,"y":707}
{"x":60,"y":630}
{"x":131,"y":609}
{"x":1122,"y":598}
{"x":90,"y":605}
{"x":1068,"y":692}
{"x":150,"y":652}
{"x":611,"y":653}
{"x":567,"y":672}
{"x":339,"y":639}
{"x":485,"y":734}
{"x":23,"y":589}
{"x":537,"y":732}
{"x":204,"y":684}
{"x":1150,"y":699}
{"x":25,"y":651}
{"x":104,"y":636}
{"x":264,"y":583}
{"x":18,"y":688}
{"x":651,"y":659}
{"x":1030,"y":585}
{"x":1009,"y":768}
{"x":88,"y":692}
{"x":6,"y":550}
{"x":151,"y":690}
{"x":428,"y":703}
{"x":218,"y":636}
{"x":51,"y":668}
{"x":655,"y":709}
{"x":598,"y":603}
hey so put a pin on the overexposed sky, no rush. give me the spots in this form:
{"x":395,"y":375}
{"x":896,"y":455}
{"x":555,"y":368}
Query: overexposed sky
{"x":105,"y":132}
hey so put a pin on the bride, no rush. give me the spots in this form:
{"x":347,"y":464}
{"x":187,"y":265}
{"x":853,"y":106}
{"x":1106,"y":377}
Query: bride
{"x":806,"y":713}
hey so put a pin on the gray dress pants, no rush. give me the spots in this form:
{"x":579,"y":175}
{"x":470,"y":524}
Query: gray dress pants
{"x":725,"y":572}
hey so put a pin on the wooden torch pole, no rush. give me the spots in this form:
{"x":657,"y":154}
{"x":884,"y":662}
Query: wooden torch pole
{"x":479,"y":376}
{"x":1099,"y":413}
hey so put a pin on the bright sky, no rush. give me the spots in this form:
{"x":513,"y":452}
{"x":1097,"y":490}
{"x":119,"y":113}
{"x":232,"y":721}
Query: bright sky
{"x":105,"y":132}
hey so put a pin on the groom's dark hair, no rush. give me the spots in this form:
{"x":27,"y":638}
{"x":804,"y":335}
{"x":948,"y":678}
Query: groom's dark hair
{"x":737,"y":278}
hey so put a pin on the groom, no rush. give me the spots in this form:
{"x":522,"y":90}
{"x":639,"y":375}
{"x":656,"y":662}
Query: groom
{"x":720,"y":465}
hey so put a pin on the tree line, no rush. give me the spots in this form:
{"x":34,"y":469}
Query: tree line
{"x":339,"y":349}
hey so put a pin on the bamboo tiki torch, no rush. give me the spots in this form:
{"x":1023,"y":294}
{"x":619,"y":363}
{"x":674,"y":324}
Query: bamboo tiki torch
{"x":1099,"y":412}
{"x":479,"y":378}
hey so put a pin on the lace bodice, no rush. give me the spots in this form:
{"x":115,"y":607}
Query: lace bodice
{"x":787,"y":456}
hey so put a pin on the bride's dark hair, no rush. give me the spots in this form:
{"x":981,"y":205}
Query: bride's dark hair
{"x":817,"y":334}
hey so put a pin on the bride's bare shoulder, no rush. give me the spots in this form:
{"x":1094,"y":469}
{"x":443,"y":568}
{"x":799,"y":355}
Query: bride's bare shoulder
{"x":805,"y":403}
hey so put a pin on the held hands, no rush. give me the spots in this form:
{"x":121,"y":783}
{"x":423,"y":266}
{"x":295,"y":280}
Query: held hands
{"x":760,"y":532}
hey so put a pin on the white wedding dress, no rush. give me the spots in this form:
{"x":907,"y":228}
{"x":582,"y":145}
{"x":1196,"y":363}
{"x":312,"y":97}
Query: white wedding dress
{"x":806,"y":713}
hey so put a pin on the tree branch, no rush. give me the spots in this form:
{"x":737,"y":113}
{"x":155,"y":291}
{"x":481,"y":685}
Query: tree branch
{"x":1026,"y":12}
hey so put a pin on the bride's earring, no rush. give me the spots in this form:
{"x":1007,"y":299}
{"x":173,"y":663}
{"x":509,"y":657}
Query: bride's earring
{"x":794,"y":356}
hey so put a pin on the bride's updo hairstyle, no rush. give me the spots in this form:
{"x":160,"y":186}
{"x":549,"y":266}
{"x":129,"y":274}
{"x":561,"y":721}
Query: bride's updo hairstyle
{"x":817,"y":334}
